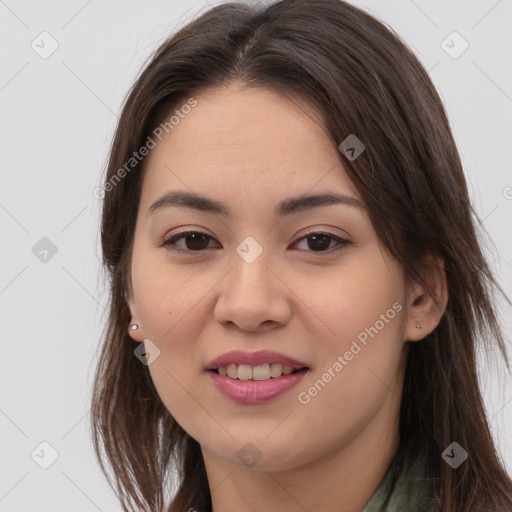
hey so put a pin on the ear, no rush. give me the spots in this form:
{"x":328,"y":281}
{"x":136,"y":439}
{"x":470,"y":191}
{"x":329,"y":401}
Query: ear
{"x":136,"y":334}
{"x":423,"y":308}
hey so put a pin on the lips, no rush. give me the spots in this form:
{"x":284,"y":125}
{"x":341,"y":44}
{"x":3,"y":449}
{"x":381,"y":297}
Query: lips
{"x":254,"y":359}
{"x":250,"y":392}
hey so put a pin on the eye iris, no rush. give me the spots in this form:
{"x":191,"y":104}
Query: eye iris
{"x":323,"y":239}
{"x":197,"y":238}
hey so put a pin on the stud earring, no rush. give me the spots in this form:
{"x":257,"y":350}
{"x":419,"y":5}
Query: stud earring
{"x":418,"y":326}
{"x":133,"y":327}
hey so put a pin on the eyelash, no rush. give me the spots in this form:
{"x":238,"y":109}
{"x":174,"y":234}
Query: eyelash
{"x":170,"y":242}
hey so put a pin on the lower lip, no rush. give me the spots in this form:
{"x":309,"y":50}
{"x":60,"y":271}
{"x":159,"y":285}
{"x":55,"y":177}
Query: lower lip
{"x":255,"y":391}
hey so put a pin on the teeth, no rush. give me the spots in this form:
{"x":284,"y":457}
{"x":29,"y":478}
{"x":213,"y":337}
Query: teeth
{"x":276,"y":370}
{"x":244,"y":372}
{"x":260,"y":372}
{"x":231,"y":371}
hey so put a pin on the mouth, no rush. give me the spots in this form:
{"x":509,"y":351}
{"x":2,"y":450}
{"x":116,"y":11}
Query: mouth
{"x":258,"y":388}
{"x":260,"y":365}
{"x":255,"y":377}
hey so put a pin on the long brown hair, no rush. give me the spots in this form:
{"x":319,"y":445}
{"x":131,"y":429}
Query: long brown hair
{"x":363,"y":80}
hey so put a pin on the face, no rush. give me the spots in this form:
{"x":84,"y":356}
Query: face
{"x":311,"y":284}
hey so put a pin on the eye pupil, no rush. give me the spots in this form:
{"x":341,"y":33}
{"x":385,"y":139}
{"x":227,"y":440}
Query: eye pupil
{"x":319,"y":238}
{"x":196,"y":239}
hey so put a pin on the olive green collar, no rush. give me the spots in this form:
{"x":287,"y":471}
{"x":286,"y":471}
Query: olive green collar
{"x":409,"y":494}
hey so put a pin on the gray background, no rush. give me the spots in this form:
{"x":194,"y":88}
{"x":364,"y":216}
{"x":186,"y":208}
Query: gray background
{"x":58,"y":115}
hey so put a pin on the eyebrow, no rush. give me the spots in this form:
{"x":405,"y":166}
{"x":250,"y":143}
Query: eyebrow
{"x":283,"y":208}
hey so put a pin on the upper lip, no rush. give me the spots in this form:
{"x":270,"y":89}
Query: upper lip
{"x":254,"y":359}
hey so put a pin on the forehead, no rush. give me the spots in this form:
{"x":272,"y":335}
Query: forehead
{"x":245,"y":144}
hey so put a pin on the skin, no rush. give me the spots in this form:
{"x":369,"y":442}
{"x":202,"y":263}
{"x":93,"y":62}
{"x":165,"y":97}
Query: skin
{"x":250,"y":148}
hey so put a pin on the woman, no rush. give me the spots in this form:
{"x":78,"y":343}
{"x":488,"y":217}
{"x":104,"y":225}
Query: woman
{"x":298,"y":292}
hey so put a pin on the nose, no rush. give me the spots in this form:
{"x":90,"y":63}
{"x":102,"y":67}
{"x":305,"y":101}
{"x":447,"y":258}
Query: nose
{"x":253,"y":296}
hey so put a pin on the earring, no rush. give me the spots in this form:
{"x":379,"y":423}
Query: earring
{"x":133,"y":327}
{"x":418,"y":326}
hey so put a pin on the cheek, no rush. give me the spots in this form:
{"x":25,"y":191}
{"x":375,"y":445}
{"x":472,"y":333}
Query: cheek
{"x":173,"y":325}
{"x":362,"y":312}
{"x":353,"y":380}
{"x":165,"y":297}
{"x":362,"y":300}
{"x":169,"y":304}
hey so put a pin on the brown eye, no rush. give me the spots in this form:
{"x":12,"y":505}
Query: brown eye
{"x":194,"y":241}
{"x":320,"y":242}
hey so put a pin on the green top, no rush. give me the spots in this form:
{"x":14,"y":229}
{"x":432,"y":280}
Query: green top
{"x":409,"y":495}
